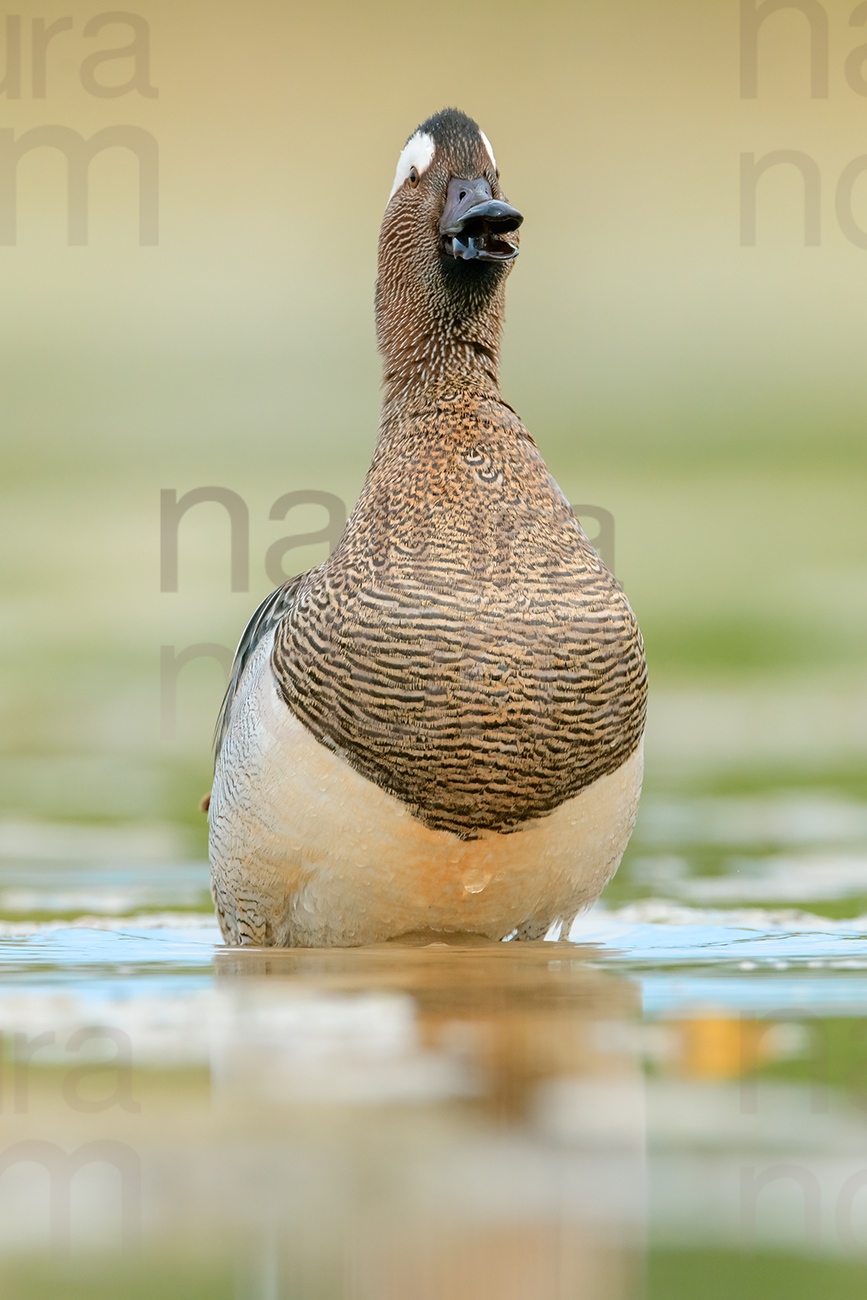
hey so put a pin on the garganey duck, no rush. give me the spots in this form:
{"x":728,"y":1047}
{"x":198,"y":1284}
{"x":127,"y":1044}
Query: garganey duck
{"x":438,"y":730}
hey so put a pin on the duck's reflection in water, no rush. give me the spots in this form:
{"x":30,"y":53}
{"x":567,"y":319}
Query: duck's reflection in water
{"x":443,"y":1122}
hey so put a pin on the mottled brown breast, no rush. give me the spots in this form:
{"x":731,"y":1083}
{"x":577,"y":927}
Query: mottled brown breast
{"x":464,"y":647}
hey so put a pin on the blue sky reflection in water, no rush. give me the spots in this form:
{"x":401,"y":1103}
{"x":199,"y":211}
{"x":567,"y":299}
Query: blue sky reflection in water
{"x":628,"y":1104}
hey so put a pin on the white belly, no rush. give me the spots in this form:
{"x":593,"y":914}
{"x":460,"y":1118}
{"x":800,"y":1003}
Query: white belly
{"x":306,"y":852}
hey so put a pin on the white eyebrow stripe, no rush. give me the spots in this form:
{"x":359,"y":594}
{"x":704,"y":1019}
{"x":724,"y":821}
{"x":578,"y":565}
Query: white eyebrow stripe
{"x":418,"y":152}
{"x":486,"y":142}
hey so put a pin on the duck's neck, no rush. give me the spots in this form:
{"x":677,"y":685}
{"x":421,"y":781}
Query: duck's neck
{"x":430,"y":352}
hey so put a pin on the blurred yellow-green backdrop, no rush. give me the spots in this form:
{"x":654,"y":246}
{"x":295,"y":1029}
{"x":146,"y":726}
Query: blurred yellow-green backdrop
{"x":706,"y":390}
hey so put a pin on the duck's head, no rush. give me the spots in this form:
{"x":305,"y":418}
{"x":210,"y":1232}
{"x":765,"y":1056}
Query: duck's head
{"x":448,"y":239}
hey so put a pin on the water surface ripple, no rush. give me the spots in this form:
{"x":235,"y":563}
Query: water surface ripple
{"x":680,"y":1081}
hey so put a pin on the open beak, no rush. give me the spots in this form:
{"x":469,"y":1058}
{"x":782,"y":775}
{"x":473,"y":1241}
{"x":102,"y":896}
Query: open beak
{"x":475,"y":225}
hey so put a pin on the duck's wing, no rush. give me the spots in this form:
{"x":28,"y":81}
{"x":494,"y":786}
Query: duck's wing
{"x":266,"y":617}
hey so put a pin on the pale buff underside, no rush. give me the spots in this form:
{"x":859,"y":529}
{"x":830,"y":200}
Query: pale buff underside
{"x":306,"y":852}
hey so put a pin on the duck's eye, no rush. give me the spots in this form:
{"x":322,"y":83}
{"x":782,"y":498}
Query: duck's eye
{"x":413,"y":176}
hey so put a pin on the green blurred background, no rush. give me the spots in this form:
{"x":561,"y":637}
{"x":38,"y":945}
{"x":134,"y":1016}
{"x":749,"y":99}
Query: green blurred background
{"x":711,"y":396}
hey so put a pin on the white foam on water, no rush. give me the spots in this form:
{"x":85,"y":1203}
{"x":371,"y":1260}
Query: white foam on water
{"x":817,"y":877}
{"x":790,"y":818}
{"x":279,"y":1043}
{"x":144,"y":921}
{"x":32,"y":841}
{"x":657,"y":932}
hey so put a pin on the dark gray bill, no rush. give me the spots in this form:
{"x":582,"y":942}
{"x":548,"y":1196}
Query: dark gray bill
{"x":475,"y":225}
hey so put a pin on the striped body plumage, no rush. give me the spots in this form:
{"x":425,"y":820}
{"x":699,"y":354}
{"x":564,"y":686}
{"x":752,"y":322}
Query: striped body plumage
{"x":439,"y":729}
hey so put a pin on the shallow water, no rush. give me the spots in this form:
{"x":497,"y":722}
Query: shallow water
{"x":670,"y":1102}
